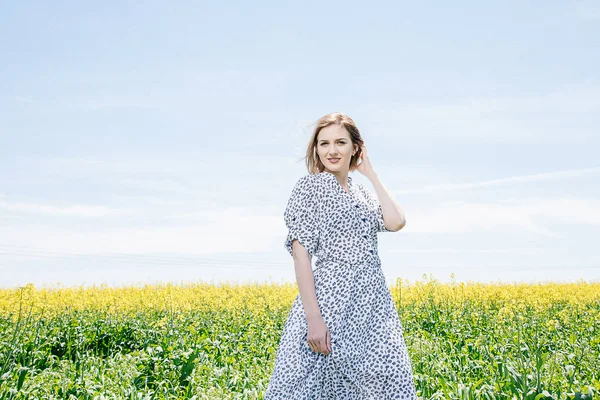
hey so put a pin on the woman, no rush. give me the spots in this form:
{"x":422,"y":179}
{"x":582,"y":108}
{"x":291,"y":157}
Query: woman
{"x":342,"y":338}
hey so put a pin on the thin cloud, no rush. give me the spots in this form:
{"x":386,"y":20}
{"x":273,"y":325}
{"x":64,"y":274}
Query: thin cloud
{"x":523,"y":215}
{"x":75,"y":210}
{"x":227,"y":231}
{"x":464,"y":251}
{"x":545,"y":176}
{"x":473,"y":217}
{"x":589,"y":11}
{"x":499,"y":119}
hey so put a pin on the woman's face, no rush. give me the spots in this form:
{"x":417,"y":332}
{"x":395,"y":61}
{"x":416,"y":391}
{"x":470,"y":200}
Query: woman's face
{"x":334,"y":148}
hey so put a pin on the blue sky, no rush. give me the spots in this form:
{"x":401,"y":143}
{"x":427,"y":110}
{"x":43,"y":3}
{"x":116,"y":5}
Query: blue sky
{"x":161,"y":142}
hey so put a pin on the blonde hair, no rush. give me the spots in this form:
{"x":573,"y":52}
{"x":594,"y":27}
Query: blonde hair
{"x":313,"y":163}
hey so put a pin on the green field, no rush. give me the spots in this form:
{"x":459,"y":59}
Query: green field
{"x":199,"y":341}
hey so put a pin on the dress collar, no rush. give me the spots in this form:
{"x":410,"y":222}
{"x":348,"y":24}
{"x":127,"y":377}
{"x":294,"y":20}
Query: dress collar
{"x":334,"y":182}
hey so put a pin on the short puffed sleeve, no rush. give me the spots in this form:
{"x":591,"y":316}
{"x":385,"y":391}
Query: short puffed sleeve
{"x":375,"y":207}
{"x":300,"y":216}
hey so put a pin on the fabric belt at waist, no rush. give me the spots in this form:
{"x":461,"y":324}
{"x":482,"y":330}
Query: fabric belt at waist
{"x":368,"y":258}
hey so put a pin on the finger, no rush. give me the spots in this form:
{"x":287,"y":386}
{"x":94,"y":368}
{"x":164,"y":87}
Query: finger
{"x":320,"y":348}
{"x":324,"y":346}
{"x":315,"y":346}
{"x":328,"y":342}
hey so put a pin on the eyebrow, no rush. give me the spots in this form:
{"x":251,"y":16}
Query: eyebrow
{"x":325,"y":140}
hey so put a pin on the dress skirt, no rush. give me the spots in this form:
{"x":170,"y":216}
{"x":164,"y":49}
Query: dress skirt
{"x":368,"y":358}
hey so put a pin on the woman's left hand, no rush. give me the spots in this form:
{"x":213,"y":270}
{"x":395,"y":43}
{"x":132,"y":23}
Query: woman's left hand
{"x":365,"y":167}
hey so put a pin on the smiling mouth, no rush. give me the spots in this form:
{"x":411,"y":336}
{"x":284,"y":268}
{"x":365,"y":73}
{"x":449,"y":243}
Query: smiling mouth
{"x":333,"y":159}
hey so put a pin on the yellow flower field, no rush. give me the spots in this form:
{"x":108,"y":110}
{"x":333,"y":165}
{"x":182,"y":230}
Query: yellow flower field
{"x":203,"y":341}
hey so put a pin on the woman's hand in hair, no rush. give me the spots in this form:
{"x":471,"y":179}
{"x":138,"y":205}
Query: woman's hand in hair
{"x":365,"y":167}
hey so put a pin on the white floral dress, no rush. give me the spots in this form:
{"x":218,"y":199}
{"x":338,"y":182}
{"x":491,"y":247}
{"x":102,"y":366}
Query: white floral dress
{"x":369,"y":358}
